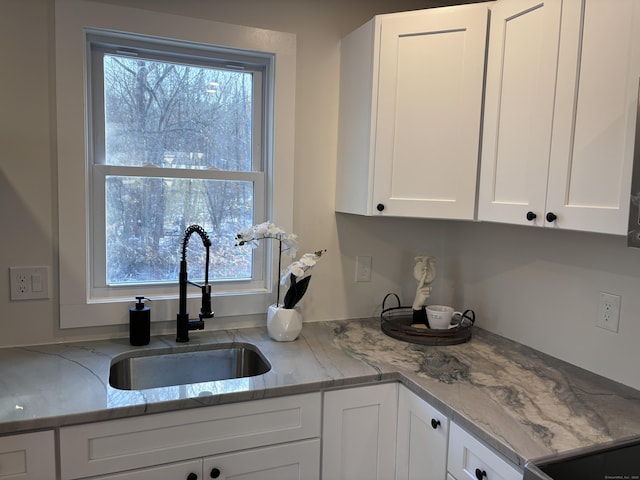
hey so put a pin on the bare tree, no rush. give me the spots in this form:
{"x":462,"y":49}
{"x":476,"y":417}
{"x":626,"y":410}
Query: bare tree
{"x":169,"y":115}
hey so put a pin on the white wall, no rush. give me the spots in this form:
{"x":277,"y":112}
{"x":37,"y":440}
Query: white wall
{"x":28,"y":165}
{"x":538,"y":287}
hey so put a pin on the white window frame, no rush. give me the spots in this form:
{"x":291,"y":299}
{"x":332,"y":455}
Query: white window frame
{"x":99,"y":43}
{"x":80,"y":306}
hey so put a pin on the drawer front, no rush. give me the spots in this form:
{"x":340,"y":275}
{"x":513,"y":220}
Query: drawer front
{"x":29,"y":456}
{"x":291,"y":461}
{"x":471,"y":459}
{"x":174,"y":471}
{"x":129,"y":443}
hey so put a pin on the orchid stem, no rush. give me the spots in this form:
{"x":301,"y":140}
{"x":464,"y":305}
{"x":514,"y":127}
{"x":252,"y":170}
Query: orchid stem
{"x":279,"y":269}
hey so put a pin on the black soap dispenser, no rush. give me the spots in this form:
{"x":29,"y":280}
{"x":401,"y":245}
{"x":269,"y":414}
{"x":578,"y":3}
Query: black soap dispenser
{"x":139,"y":323}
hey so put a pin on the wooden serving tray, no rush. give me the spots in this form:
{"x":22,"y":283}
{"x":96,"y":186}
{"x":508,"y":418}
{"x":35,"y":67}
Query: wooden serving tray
{"x":397,"y":323}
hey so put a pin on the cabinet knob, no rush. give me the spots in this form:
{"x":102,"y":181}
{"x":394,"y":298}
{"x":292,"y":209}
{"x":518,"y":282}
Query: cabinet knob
{"x":480,"y":474}
{"x":435,"y":423}
{"x":551,"y":217}
{"x":192,"y":476}
{"x":531,"y":216}
{"x":380,"y":207}
{"x":215,"y":473}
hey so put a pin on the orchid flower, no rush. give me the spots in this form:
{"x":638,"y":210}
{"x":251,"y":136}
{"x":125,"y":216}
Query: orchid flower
{"x":296,"y":277}
{"x":252,"y":235}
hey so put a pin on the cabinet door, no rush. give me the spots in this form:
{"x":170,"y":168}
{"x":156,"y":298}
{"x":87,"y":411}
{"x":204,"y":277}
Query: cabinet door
{"x":429,"y":111}
{"x":356,"y":143}
{"x":519,"y":101}
{"x":293,"y":461}
{"x":594,"y":121}
{"x":174,"y":471}
{"x":29,"y":456}
{"x":359,"y":433}
{"x":471,"y":459}
{"x":423,"y":433}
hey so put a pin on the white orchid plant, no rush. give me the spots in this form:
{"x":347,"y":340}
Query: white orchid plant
{"x":297,"y":275}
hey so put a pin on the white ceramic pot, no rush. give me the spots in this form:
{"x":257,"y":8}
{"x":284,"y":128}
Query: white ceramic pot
{"x":284,"y":324}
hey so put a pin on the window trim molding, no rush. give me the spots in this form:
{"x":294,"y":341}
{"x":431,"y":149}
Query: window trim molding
{"x":72,"y":17}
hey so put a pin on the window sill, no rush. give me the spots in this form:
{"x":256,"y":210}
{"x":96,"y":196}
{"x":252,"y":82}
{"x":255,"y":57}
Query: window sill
{"x":116,"y":311}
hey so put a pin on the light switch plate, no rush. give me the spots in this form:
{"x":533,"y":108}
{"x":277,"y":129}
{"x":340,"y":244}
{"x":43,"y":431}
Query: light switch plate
{"x":363,"y":268}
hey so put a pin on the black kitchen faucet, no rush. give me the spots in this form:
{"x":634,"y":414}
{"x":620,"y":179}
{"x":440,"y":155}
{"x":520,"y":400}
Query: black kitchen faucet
{"x":184,"y":324}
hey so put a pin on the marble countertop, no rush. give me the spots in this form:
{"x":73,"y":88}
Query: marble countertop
{"x":521,"y":402}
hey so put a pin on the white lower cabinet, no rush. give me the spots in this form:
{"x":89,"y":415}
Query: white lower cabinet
{"x":471,"y":459}
{"x":295,"y":461}
{"x":423,"y":433}
{"x":359,"y":433}
{"x":28,"y":456}
{"x":387,"y":432}
{"x":170,"y":443}
{"x":382,"y":431}
{"x":190,"y":470}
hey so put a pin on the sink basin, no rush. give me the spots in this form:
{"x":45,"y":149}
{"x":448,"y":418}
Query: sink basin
{"x":183,"y":366}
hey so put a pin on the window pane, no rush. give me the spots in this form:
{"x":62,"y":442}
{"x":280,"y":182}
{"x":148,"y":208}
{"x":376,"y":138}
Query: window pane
{"x":176,"y":115}
{"x":147,"y":216}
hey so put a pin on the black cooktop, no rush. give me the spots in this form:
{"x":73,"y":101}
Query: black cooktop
{"x":614,"y":462}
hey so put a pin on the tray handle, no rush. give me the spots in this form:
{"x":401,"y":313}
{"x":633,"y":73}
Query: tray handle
{"x":384,"y":300}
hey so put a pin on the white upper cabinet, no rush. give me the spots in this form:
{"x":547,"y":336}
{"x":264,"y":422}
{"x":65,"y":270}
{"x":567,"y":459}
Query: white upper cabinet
{"x":410,"y":113}
{"x":518,"y":113}
{"x":559,"y":120}
{"x":595,"y":115}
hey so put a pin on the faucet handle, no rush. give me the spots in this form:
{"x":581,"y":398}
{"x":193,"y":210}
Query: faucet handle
{"x":205,"y":309}
{"x":196,"y":324}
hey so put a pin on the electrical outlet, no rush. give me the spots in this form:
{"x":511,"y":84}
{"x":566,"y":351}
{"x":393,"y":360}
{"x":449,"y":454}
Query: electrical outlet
{"x":29,"y":283}
{"x":608,"y":312}
{"x":363,"y":269}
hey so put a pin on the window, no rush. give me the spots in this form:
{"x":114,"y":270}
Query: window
{"x":165,"y":121}
{"x":177,"y":140}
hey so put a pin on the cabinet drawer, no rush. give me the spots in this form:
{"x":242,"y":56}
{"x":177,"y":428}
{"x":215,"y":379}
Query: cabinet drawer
{"x":174,"y":471}
{"x":291,"y":461}
{"x":467,"y":454}
{"x":129,"y":443}
{"x":30,"y":456}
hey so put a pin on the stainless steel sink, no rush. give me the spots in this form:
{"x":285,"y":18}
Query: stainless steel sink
{"x":186,"y":365}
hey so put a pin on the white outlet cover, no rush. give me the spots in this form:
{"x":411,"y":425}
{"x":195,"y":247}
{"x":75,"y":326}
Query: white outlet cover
{"x":29,"y":283}
{"x":608,"y":312}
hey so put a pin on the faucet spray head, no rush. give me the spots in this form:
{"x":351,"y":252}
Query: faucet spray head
{"x":203,"y":235}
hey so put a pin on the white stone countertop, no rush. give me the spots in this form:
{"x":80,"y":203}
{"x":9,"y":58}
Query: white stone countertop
{"x":523,"y":403}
